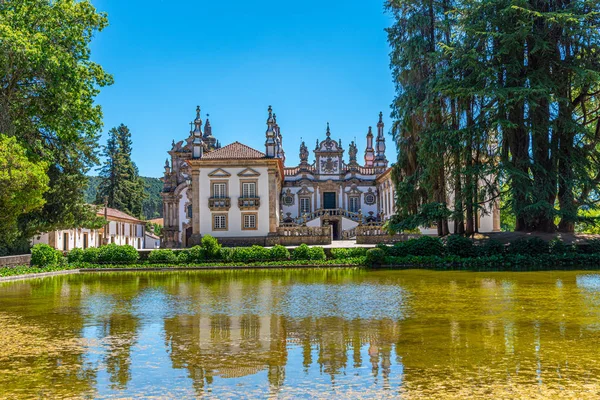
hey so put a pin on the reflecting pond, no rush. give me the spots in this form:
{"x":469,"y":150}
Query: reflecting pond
{"x":323,"y":333}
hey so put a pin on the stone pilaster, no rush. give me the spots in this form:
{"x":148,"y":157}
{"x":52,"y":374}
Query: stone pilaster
{"x":196,"y":237}
{"x":274,"y":192}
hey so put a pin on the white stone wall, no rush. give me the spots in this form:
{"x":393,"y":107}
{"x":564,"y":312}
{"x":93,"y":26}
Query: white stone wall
{"x":234,"y":215}
{"x":75,"y":238}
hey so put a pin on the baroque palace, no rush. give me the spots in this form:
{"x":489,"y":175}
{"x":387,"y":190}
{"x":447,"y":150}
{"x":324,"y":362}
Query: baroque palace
{"x":244,"y":196}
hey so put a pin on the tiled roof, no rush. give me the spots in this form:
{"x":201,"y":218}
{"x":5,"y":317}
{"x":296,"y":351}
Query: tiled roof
{"x":159,"y":221}
{"x":114,"y":213}
{"x":235,"y":150}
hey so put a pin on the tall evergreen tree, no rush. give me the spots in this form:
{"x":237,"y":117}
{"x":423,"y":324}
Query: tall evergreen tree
{"x":120,"y":182}
{"x":516,"y":85}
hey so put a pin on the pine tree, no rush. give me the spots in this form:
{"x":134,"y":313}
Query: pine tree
{"x":120,"y":182}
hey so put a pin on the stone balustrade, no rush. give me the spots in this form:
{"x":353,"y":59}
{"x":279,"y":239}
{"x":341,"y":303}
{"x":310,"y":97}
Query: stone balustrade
{"x":219,"y":203}
{"x":296,"y":235}
{"x":374,"y":233}
{"x":249,"y":203}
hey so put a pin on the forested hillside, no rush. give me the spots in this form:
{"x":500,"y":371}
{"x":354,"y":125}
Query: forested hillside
{"x":152,"y":204}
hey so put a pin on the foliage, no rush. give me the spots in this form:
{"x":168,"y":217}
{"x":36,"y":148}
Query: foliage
{"x":424,"y":246}
{"x":152,"y":205}
{"x":113,"y":253}
{"x":375,"y":257}
{"x":197,"y":254}
{"x":506,"y":95}
{"x":47,"y":88}
{"x":528,"y":246}
{"x":26,"y":269}
{"x":120,"y":182}
{"x":490,"y":248}
{"x":75,"y":255}
{"x":280,"y":252}
{"x":250,"y":254}
{"x":212,"y":247}
{"x":43,"y":255}
{"x":301,"y":252}
{"x":91,"y":254}
{"x":558,"y":247}
{"x":22,"y":186}
{"x":340,"y":254}
{"x":183,"y":257}
{"x":154,"y":228}
{"x":316,"y":253}
{"x":457,"y":245}
{"x":226,"y":254}
{"x":164,"y":256}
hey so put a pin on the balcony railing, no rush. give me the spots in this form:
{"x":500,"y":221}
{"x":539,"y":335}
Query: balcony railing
{"x":219,"y":203}
{"x":249,"y":203}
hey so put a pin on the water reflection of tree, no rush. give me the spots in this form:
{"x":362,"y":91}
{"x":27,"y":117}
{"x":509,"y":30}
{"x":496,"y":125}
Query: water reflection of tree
{"x":42,"y":354}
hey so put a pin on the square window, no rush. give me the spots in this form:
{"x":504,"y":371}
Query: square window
{"x":219,"y":222}
{"x":249,"y":221}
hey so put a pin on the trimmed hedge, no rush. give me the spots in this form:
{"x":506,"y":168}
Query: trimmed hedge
{"x":162,"y":256}
{"x":112,"y":253}
{"x":43,"y":255}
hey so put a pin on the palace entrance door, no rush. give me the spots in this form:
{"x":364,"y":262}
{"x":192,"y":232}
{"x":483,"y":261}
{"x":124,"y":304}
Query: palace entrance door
{"x":329,"y":200}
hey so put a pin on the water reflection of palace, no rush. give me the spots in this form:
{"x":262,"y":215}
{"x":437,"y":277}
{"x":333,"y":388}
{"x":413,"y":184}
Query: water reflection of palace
{"x":347,"y":334}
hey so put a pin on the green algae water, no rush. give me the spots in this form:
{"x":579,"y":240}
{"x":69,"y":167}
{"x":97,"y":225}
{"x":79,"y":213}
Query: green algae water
{"x":323,"y":333}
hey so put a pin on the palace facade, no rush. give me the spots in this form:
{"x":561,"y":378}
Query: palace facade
{"x":245,"y":196}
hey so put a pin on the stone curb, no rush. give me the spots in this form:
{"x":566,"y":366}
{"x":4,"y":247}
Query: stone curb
{"x":208,"y":267}
{"x":216,"y":267}
{"x":38,"y":275}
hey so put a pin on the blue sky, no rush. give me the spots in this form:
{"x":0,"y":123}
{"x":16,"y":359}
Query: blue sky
{"x":313,"y":61}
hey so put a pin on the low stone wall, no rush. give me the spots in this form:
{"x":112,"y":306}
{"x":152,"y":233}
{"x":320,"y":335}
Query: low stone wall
{"x":297,"y":235}
{"x":244,"y":241}
{"x":13,"y":261}
{"x":374,"y":234}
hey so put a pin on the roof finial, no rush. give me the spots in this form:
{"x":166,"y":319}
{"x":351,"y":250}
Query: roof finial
{"x":197,"y":112}
{"x":380,"y":116}
{"x":328,"y":132}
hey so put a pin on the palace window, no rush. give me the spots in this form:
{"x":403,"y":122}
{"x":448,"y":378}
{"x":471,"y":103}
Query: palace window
{"x":219,"y":190}
{"x":304,"y":205}
{"x":354,"y":205}
{"x":189,"y":211}
{"x":248,"y":221}
{"x":219,"y":222}
{"x":248,"y":189}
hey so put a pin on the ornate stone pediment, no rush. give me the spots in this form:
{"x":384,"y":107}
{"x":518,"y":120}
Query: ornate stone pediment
{"x":249,"y":172}
{"x":304,"y":191}
{"x":354,"y":190}
{"x":219,"y":173}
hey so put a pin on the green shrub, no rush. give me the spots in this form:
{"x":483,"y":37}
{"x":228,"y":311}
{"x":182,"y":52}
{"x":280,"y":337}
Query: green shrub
{"x":301,"y":252}
{"x":340,"y":254}
{"x":43,"y":255}
{"x":211,"y":246}
{"x":279,"y":252}
{"x":490,"y":248}
{"x":457,"y":245}
{"x":528,"y":246}
{"x":183,"y":257}
{"x":162,"y":256}
{"x":559,"y":247}
{"x":112,"y":253}
{"x":226,"y":254}
{"x":375,"y":256}
{"x":197,"y":254}
{"x":316,"y":253}
{"x":75,"y":255}
{"x":590,"y":247}
{"x":250,"y":254}
{"x":90,"y":255}
{"x":424,"y":246}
